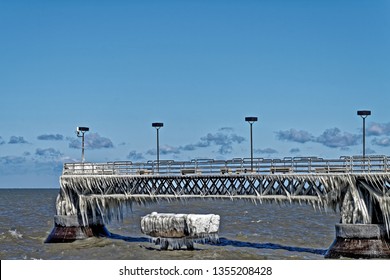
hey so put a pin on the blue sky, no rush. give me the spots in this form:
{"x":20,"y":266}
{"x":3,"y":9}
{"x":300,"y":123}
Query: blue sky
{"x":302,"y":67}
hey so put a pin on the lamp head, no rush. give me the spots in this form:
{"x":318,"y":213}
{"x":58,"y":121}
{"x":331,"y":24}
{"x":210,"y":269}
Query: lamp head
{"x":82,"y":129}
{"x":157,"y":125}
{"x":364,"y":113}
{"x":251,"y":119}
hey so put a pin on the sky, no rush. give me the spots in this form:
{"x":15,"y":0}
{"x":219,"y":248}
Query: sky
{"x":302,"y":67}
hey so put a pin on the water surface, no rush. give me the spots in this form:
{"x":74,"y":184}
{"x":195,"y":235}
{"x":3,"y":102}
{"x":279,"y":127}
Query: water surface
{"x":247,"y":231}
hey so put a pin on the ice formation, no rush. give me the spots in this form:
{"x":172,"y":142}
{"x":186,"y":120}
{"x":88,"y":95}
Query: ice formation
{"x":180,"y":230}
{"x":102,"y":197}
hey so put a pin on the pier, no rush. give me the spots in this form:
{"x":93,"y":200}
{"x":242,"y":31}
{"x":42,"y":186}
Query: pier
{"x":92,"y":194}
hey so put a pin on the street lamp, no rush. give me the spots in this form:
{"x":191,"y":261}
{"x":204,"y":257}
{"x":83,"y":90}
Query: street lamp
{"x":158,"y":126}
{"x":80,"y":131}
{"x":364,"y":114}
{"x":251,"y":120}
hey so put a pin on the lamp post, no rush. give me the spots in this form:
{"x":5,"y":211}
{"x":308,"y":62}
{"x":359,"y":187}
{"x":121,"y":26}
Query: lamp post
{"x":158,"y":126}
{"x":364,"y":114}
{"x":251,"y":120}
{"x":80,"y":131}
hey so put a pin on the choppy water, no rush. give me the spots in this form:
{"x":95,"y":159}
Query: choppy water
{"x":247,"y":231}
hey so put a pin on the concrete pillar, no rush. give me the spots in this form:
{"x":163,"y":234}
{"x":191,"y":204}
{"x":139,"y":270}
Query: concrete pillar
{"x":70,"y":228}
{"x":360,"y":241}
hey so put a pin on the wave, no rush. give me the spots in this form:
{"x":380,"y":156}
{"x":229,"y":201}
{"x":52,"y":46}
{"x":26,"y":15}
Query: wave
{"x":15,"y":234}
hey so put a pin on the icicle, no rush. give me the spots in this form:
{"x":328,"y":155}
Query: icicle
{"x":106,"y":197}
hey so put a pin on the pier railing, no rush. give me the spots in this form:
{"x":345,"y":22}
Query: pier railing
{"x":303,"y":165}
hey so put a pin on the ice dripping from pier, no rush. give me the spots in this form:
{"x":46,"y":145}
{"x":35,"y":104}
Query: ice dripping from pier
{"x":95,"y":198}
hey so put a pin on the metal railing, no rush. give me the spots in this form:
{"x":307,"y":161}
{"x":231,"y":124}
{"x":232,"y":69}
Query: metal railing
{"x":302,"y":165}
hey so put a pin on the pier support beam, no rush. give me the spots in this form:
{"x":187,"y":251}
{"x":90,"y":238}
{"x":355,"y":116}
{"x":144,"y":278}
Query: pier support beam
{"x":360,"y":241}
{"x":70,"y":228}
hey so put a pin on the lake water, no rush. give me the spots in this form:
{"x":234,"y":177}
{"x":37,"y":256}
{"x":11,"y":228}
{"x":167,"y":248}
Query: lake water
{"x":247,"y":231}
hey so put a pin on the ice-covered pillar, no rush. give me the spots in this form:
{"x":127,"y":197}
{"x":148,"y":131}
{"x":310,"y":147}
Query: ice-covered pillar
{"x":180,"y":230}
{"x":362,"y":232}
{"x":69,"y":223}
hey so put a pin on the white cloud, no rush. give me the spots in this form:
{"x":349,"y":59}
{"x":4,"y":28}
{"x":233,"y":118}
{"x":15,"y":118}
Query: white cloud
{"x":383,"y":142}
{"x":51,"y":137}
{"x":136,"y":156}
{"x":92,"y":141}
{"x":48,"y":153}
{"x":334,"y":138}
{"x":294,"y":135}
{"x":17,"y":140}
{"x":378,"y":129}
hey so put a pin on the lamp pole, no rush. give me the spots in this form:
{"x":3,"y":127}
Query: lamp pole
{"x":80,"y":131}
{"x":251,"y":120}
{"x":364,"y":114}
{"x":158,"y":126}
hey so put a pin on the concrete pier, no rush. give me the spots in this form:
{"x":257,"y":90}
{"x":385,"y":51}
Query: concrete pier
{"x":357,"y":187}
{"x":360,"y":241}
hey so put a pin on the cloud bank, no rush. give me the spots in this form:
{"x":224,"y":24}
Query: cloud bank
{"x":135,"y":156}
{"x":332,"y":137}
{"x":335,"y":138}
{"x":17,"y":140}
{"x":223,"y":140}
{"x":93,"y":141}
{"x":12,"y":160}
{"x":51,"y":137}
{"x":383,"y":142}
{"x":48,"y":153}
{"x":378,"y":129}
{"x":294,"y":135}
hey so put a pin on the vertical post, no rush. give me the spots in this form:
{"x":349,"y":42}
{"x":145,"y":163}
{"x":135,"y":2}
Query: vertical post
{"x":158,"y":126}
{"x":158,"y":151}
{"x":364,"y":114}
{"x":80,"y":131}
{"x":368,"y":198}
{"x":364,"y":138}
{"x":251,"y":120}
{"x":251,"y":124}
{"x":82,"y":148}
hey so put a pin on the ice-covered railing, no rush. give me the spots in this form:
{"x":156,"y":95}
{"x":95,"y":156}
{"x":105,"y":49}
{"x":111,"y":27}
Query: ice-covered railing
{"x":304,"y":165}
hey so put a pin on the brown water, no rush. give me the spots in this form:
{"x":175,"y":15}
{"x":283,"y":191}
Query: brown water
{"x":247,"y":231}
